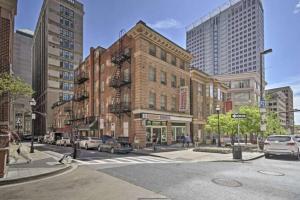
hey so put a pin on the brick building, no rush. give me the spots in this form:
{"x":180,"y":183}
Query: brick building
{"x":8,"y":10}
{"x":62,"y":110}
{"x":138,"y":88}
{"x":206,"y":94}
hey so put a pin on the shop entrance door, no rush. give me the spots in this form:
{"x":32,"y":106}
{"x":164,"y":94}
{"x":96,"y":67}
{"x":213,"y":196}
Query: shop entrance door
{"x":156,"y":135}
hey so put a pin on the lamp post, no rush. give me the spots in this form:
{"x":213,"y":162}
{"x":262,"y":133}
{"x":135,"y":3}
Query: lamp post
{"x":32,"y":104}
{"x":262,"y":100}
{"x":219,"y":134}
{"x":18,"y":126}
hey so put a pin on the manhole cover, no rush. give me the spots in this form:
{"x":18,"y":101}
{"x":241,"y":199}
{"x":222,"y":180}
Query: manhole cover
{"x":226,"y":182}
{"x":270,"y":173}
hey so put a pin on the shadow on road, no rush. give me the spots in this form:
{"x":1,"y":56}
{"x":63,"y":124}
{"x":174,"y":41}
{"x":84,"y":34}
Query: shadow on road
{"x":283,"y":158}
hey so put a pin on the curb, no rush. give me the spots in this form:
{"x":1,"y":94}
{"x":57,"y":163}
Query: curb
{"x":238,"y":160}
{"x":35,"y":177}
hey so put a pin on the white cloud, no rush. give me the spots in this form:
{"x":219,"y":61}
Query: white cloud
{"x":166,"y":24}
{"x":294,"y":83}
{"x":297,"y":8}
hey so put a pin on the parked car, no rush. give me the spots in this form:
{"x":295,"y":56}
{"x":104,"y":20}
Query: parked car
{"x":54,"y":136}
{"x":90,"y":142}
{"x":58,"y":142}
{"x":66,"y":141}
{"x":282,"y":145}
{"x":115,"y":146}
{"x":104,"y":138}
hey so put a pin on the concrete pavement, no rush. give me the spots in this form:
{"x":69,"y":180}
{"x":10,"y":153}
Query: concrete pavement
{"x":41,"y":165}
{"x":80,"y":184}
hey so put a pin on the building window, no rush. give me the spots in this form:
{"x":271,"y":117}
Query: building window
{"x":173,"y":81}
{"x":163,"y":102}
{"x":152,"y":74}
{"x":152,"y":100}
{"x":163,"y":77}
{"x":173,"y":60}
{"x":102,"y":86}
{"x":182,"y":64}
{"x":173,"y":104}
{"x":182,"y":82}
{"x":126,"y":75}
{"x":152,"y":49}
{"x":163,"y":55}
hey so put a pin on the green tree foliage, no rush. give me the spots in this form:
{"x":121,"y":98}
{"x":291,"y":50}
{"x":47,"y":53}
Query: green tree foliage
{"x":251,"y":124}
{"x":14,"y":86}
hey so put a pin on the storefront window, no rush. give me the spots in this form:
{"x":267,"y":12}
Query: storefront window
{"x":148,"y":135}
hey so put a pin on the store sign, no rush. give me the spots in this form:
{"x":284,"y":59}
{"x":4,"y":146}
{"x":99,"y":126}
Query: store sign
{"x":155,"y":123}
{"x":183,"y":99}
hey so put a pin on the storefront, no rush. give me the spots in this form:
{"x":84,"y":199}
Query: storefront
{"x":161,"y":129}
{"x":156,"y":132}
{"x":178,"y":131}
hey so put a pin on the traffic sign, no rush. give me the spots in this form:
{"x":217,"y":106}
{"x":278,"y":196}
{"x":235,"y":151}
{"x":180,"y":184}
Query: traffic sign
{"x":262,"y":104}
{"x":238,"y":116}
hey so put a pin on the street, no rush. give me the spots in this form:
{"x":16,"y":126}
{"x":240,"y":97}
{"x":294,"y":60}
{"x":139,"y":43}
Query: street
{"x":276,"y":178}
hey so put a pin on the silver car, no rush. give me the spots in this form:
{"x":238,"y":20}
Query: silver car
{"x":282,"y":145}
{"x":90,"y":142}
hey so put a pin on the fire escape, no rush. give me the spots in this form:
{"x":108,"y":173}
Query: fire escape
{"x":120,"y":80}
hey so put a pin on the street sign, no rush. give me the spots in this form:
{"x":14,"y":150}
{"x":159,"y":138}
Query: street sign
{"x":238,"y":116}
{"x":262,"y":104}
{"x":263,"y":127}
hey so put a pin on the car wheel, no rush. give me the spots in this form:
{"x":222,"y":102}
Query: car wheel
{"x":112,"y":150}
{"x":99,"y":149}
{"x":86,"y":147}
{"x":267,"y":156}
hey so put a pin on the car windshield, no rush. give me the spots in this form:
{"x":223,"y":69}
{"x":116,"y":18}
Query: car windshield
{"x":279,"y":138}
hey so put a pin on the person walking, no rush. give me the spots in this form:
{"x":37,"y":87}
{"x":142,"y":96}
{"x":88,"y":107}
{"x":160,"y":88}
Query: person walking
{"x":188,"y":140}
{"x":183,"y":140}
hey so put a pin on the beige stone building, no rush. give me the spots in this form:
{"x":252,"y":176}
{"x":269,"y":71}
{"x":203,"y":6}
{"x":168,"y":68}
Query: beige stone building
{"x":57,"y":50}
{"x":276,"y":102}
{"x":243,"y":89}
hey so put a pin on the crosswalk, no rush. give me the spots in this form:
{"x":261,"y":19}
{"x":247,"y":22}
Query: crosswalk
{"x":126,"y":160}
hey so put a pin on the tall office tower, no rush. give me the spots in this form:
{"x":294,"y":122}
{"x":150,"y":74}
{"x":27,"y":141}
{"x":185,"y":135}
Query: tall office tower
{"x":229,"y":39}
{"x":57,"y":48}
{"x":8,"y":10}
{"x":22,"y":68}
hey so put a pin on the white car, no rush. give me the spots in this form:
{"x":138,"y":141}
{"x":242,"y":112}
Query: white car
{"x":282,"y":145}
{"x":90,"y":142}
{"x":65,"y":141}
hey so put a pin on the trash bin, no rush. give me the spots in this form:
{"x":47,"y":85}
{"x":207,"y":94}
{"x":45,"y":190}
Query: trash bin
{"x":237,"y":152}
{"x":4,"y":142}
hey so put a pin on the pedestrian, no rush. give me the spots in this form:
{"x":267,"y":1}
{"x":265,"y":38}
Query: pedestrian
{"x":15,"y":148}
{"x":188,"y":140}
{"x":183,"y":140}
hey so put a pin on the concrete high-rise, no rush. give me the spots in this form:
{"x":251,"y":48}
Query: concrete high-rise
{"x":57,"y":49}
{"x":288,"y":92}
{"x":228,"y":40}
{"x":8,"y":10}
{"x":22,"y":68}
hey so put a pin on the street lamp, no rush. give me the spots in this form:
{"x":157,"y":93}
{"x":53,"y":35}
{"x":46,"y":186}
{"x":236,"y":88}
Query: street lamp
{"x":262,"y":101}
{"x":32,"y":104}
{"x":219,"y":134}
{"x":18,"y":125}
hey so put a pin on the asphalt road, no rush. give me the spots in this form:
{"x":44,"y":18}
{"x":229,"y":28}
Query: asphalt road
{"x":259,"y":179}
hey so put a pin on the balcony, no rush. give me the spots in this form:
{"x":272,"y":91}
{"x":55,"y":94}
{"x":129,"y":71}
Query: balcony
{"x":119,"y":82}
{"x":81,"y":96}
{"x":122,"y":107}
{"x":121,"y":57}
{"x":81,"y":78}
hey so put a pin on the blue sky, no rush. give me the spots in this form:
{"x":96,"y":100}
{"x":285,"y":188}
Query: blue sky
{"x":105,"y":18}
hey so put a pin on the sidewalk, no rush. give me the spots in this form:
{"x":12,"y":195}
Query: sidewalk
{"x":41,"y":165}
{"x":190,"y":155}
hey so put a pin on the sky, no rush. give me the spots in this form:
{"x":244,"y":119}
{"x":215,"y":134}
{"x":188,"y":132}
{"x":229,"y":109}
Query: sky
{"x":104,"y":19}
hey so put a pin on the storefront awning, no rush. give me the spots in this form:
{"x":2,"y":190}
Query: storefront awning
{"x":90,"y":127}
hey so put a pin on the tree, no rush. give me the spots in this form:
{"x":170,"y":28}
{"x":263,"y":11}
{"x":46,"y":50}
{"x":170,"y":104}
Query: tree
{"x":273,"y":124}
{"x":14,"y":86}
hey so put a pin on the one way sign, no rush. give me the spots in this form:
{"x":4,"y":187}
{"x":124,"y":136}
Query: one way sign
{"x":238,"y":116}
